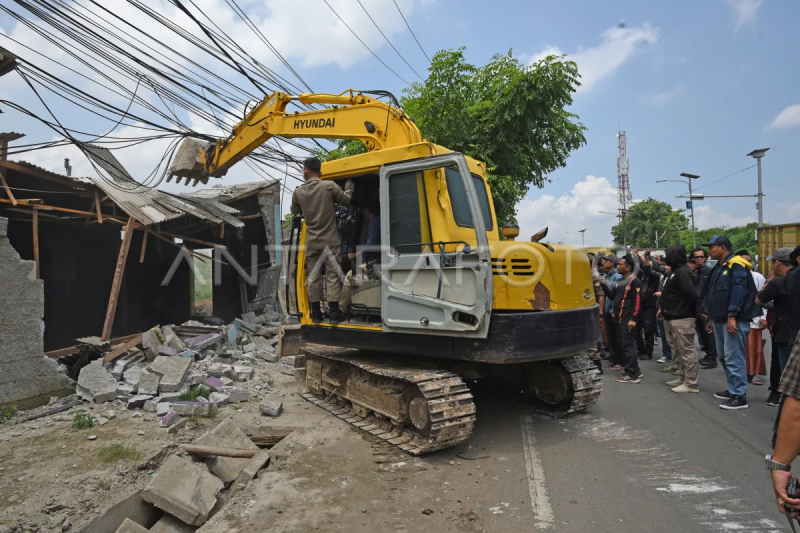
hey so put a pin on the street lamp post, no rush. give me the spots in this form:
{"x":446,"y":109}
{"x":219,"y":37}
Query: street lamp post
{"x":621,"y":216}
{"x":758,"y":154}
{"x":691,"y":202}
{"x":583,"y":236}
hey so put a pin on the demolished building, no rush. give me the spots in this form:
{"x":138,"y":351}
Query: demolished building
{"x":110,"y":255}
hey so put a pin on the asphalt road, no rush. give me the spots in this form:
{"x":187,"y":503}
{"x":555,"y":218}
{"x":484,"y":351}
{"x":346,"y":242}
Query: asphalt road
{"x":643,"y":459}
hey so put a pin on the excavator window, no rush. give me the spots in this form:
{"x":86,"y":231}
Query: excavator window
{"x":458,"y":199}
{"x":408,"y":210}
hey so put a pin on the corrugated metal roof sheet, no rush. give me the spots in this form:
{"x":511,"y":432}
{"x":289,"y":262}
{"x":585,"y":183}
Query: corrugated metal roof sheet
{"x":230,"y":193}
{"x":151,"y":206}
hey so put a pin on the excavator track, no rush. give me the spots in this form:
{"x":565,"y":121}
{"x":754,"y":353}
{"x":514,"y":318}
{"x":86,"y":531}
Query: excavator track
{"x":586,"y":385}
{"x":441,"y":396}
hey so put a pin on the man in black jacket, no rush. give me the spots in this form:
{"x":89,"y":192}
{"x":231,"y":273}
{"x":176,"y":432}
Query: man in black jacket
{"x":650,"y":275}
{"x":708,"y":343}
{"x":678,"y":306}
{"x":627,"y":296}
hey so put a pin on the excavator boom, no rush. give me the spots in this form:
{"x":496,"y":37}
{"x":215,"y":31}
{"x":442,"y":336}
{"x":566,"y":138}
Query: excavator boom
{"x":350,"y":115}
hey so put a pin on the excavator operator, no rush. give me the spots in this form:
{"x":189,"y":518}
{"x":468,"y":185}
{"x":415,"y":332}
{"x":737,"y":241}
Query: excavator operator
{"x":316,"y":200}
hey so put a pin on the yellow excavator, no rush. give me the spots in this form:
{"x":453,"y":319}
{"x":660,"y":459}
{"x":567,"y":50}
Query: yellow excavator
{"x":446,"y":301}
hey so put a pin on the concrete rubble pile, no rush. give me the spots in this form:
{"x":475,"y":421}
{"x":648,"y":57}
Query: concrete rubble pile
{"x":190,"y":489}
{"x":180,"y":371}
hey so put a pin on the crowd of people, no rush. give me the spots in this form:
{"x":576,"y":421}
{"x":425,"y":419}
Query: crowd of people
{"x":685,"y":302}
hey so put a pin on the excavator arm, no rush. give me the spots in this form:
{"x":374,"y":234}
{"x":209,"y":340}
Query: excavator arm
{"x":349,"y":116}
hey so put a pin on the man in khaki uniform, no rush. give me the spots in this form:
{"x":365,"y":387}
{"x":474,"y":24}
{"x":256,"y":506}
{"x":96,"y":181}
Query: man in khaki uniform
{"x":316,"y":200}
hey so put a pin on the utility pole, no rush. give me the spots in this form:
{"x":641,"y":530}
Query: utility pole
{"x":758,"y":154}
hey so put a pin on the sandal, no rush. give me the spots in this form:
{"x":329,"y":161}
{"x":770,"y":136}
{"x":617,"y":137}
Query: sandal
{"x":756,"y":381}
{"x":617,"y":368}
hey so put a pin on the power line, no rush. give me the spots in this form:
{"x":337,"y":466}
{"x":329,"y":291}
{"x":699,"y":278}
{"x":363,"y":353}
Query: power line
{"x":726,"y":177}
{"x":412,"y":31}
{"x":388,"y":41}
{"x":365,"y":44}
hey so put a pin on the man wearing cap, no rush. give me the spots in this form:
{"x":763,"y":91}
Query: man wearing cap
{"x":729,"y":299}
{"x":777,"y":291}
{"x":316,"y":200}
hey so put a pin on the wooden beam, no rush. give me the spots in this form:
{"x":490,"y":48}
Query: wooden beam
{"x":45,"y":175}
{"x":121,"y":349}
{"x":97,"y":207}
{"x":117,"y":284}
{"x":222,"y":231}
{"x":36,"y":242}
{"x":27,"y":203}
{"x":214,"y":451}
{"x":246,"y":217}
{"x":144,"y":245}
{"x":115,"y":343}
{"x":201,"y":257}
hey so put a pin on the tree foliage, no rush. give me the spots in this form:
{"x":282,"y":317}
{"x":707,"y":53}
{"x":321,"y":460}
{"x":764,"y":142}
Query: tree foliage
{"x":645,"y":218}
{"x":742,"y":237}
{"x":511,"y":116}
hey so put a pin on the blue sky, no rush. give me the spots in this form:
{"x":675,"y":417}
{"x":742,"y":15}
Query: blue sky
{"x":696,"y":86}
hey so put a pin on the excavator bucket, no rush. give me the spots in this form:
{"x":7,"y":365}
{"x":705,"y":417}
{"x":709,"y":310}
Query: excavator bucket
{"x":190,"y":161}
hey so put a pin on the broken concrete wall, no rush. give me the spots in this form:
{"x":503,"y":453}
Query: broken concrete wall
{"x":28,"y":377}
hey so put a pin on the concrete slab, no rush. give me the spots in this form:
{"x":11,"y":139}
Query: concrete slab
{"x":193,"y":408}
{"x":148,"y":382}
{"x":173,"y":371}
{"x":151,"y":343}
{"x":271,"y":406}
{"x":183,"y":490}
{"x":227,"y":435}
{"x":96,"y":384}
{"x":129,"y":526}
{"x":203,"y":341}
{"x":170,"y":524}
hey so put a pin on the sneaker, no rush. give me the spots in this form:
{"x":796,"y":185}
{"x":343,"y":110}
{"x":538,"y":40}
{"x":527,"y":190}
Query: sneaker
{"x":708,"y":363}
{"x":625,"y":378}
{"x":645,"y":357}
{"x":669,"y":368}
{"x":724,"y":395}
{"x":336,"y":317}
{"x":684,"y":388}
{"x":674,"y":382}
{"x":735,"y":402}
{"x":663,"y":360}
{"x":774,"y":399}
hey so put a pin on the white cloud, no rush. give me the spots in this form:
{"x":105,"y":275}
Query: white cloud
{"x":618,"y":44}
{"x":745,"y":11}
{"x":659,"y":99}
{"x":787,"y":211}
{"x":705,"y":217}
{"x":571,"y":212}
{"x":790,"y":116}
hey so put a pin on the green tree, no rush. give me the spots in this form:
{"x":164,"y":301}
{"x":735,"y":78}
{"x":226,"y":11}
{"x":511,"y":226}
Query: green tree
{"x":511,"y":116}
{"x":644,"y":219}
{"x":742,"y":237}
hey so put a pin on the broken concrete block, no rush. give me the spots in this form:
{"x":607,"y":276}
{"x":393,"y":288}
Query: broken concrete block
{"x":218,"y":398}
{"x":247,"y":348}
{"x":227,"y":435}
{"x":219,"y":370}
{"x":196,"y":378}
{"x":148,"y":382}
{"x":168,"y":351}
{"x":96,"y":384}
{"x":186,"y":353}
{"x":214,"y":383}
{"x":183,"y":490}
{"x":170,"y":524}
{"x":287,"y":369}
{"x":170,"y":396}
{"x":169,"y":419}
{"x":236,"y":395}
{"x":243,"y":373}
{"x":288,"y":360}
{"x":162,"y":408}
{"x":125,"y":390}
{"x":151,"y":343}
{"x":175,"y":428}
{"x":270,"y":406}
{"x":3,"y":227}
{"x":203,"y":341}
{"x":172,"y":340}
{"x":256,"y":463}
{"x":137,"y":402}
{"x":232,"y":336}
{"x":270,"y":357}
{"x":150,"y":405}
{"x":129,"y":526}
{"x":193,"y":408}
{"x":132,"y":375}
{"x":173,"y":371}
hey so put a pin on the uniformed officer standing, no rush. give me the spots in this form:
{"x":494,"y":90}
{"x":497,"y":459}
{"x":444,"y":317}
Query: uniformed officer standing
{"x":316,"y":200}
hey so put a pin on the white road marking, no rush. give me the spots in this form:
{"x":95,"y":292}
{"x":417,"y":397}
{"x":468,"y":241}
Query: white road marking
{"x":540,"y":503}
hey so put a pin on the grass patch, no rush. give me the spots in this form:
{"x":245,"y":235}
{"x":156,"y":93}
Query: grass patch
{"x":7,"y":411}
{"x":192,"y":394}
{"x":118,"y":452}
{"x":82,"y":420}
{"x":104,"y":485}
